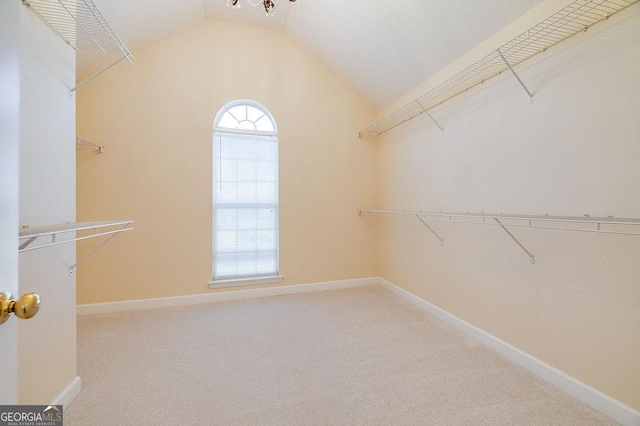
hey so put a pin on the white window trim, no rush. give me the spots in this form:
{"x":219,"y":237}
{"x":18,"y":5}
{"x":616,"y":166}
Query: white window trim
{"x":237,"y":102}
{"x":236,"y":282}
{"x":264,"y":279}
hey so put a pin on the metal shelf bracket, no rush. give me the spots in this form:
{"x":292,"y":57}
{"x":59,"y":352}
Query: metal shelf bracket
{"x":531,"y":258}
{"x":515,"y":74}
{"x":430,"y":116}
{"x":86,"y":144}
{"x":95,"y":249}
{"x":430,"y":229}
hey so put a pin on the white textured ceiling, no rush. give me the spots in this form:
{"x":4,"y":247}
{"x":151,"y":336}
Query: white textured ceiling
{"x":382,"y":49}
{"x":141,"y":22}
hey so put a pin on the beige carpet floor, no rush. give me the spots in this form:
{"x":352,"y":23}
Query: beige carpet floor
{"x":358,"y":356}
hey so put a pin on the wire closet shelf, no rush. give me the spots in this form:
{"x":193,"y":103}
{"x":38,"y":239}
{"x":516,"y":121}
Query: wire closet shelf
{"x":578,"y":16}
{"x":600,"y":225}
{"x":81,"y":25}
{"x":51,"y":235}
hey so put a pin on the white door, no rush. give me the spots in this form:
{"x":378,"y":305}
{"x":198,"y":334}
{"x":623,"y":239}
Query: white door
{"x":9,"y":168}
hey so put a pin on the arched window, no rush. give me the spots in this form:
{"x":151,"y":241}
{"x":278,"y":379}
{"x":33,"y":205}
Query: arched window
{"x":245,"y":195}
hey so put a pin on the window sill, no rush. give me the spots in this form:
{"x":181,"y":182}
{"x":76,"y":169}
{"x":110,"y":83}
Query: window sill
{"x":245,"y":281}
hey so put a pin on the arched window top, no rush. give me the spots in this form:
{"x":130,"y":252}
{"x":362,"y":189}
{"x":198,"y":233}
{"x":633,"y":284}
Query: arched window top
{"x":245,"y":116}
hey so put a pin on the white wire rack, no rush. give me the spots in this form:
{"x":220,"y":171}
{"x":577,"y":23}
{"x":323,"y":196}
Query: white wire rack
{"x":600,"y":225}
{"x":81,"y":25}
{"x":572,"y":19}
{"x":81,"y":143}
{"x":27,"y":235}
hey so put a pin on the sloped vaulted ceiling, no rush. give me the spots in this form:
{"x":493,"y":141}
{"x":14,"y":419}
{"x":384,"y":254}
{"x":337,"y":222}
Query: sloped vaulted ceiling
{"x":382,"y":49}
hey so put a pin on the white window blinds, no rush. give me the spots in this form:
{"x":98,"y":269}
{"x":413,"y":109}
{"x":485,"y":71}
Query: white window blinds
{"x":245,"y":205}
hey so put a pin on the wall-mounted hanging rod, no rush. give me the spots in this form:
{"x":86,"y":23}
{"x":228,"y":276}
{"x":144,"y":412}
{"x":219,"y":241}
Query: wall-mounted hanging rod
{"x":568,"y":21}
{"x":111,"y":228}
{"x":86,"y":144}
{"x":81,"y":25}
{"x":599,"y":225}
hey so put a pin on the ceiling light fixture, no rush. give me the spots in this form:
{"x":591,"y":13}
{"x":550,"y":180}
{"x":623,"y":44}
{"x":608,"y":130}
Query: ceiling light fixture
{"x":269,"y":5}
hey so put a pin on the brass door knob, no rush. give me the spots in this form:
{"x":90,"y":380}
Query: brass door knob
{"x":24,"y":308}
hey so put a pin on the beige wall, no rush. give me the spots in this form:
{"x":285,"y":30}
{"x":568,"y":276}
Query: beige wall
{"x":155,"y":119}
{"x":574,"y":151}
{"x":47,"y":342}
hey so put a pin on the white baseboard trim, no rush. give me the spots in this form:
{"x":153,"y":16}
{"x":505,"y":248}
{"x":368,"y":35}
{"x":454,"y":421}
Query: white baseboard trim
{"x":592,"y":397}
{"x":68,"y":394}
{"x":236,"y":282}
{"x":197,"y":299}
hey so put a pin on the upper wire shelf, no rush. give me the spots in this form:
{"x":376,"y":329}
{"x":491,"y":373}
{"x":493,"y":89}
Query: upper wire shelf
{"x":578,"y":16}
{"x":81,"y":25}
